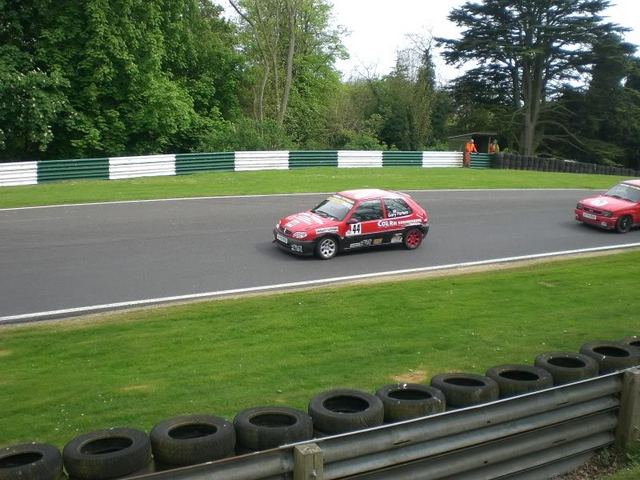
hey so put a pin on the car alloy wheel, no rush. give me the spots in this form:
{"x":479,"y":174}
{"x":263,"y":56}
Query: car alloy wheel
{"x":412,"y":238}
{"x":327,"y":248}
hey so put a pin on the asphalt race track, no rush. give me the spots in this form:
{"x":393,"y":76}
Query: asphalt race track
{"x":57,"y":261}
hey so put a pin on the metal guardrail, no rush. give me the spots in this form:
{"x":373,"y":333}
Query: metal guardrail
{"x":532,"y":436}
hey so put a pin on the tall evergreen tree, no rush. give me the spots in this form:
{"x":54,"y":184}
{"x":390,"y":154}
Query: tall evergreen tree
{"x":524,"y":50}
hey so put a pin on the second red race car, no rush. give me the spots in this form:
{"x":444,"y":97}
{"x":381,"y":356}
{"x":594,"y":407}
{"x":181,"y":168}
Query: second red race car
{"x":617,"y":209}
{"x":351,"y":220}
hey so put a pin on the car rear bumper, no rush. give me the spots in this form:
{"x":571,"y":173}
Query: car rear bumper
{"x":608,"y":223}
{"x":292,"y":245}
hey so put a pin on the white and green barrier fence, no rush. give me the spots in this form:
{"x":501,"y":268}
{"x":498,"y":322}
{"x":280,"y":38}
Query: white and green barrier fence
{"x":115,"y":168}
{"x":32,"y":173}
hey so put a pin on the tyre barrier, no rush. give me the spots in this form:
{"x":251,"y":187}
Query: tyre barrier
{"x":107,"y":454}
{"x":344,"y":410}
{"x":634,"y":341}
{"x":30,"y":461}
{"x":466,"y":389}
{"x":191,"y":439}
{"x":403,"y":401}
{"x":262,"y":428}
{"x":196,"y":439}
{"x":611,"y":356}
{"x":515,"y":380}
{"x":567,"y":367}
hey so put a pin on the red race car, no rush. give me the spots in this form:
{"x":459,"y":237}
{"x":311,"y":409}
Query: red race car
{"x":617,"y":209}
{"x":352,"y":220}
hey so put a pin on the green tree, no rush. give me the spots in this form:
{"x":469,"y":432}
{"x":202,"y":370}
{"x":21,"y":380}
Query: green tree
{"x":291,"y":50}
{"x":523,"y":51}
{"x":99,"y":77}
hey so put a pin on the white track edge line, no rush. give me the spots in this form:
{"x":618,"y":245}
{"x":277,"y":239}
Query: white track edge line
{"x":306,"y":283}
{"x":218,"y":197}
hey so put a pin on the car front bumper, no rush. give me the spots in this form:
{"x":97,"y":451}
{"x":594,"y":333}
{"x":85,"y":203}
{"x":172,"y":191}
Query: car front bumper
{"x":293,"y":245}
{"x":608,"y":223}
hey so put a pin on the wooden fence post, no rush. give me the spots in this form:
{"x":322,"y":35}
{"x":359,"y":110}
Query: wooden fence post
{"x":628,"y":431}
{"x":308,"y":462}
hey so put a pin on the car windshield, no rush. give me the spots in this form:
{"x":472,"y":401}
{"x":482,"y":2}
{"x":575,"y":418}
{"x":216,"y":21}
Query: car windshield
{"x":335,"y":207}
{"x":625,"y":192}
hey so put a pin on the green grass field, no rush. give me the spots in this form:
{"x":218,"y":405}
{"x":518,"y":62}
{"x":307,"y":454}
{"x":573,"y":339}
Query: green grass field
{"x":137,"y":368}
{"x":323,"y":179}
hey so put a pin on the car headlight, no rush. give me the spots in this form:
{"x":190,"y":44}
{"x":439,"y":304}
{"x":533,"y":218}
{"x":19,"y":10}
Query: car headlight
{"x":579,"y":206}
{"x":300,"y":235}
{"x":607,"y":214}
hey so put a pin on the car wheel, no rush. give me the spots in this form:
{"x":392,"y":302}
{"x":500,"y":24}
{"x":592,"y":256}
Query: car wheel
{"x":412,"y":238}
{"x":623,"y":225}
{"x":326,"y":248}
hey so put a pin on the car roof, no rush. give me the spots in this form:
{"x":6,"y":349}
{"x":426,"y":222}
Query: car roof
{"x":635,"y":183}
{"x":369,"y":193}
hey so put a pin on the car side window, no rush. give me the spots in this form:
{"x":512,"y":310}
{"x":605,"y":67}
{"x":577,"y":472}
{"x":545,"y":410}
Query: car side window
{"x":370,"y":210}
{"x":396,"y":207}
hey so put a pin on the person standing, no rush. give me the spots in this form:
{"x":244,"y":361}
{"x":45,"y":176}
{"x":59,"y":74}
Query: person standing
{"x":494,"y":147}
{"x":469,"y":148}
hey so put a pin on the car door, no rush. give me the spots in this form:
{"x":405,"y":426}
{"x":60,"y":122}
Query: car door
{"x":363,"y":224}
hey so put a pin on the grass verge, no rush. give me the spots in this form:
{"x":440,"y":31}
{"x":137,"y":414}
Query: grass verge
{"x":292,"y":181}
{"x":134,"y":369}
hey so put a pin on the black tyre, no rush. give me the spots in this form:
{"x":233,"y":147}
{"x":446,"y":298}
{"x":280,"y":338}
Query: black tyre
{"x":192,"y":439}
{"x":30,"y":461}
{"x":634,"y":341}
{"x":412,"y":238}
{"x":567,"y":367}
{"x":326,"y":248}
{"x":624,"y":224}
{"x":466,"y":389}
{"x":345,"y":410}
{"x":518,"y":379}
{"x":403,"y":401}
{"x":262,"y":428}
{"x":611,"y":356}
{"x":106,"y":454}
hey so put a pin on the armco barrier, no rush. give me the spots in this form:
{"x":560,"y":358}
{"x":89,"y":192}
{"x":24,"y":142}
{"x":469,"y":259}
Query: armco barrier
{"x":534,"y":436}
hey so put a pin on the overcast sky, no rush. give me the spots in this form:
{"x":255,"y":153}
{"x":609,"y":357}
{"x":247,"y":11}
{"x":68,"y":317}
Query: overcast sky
{"x":380,"y":27}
